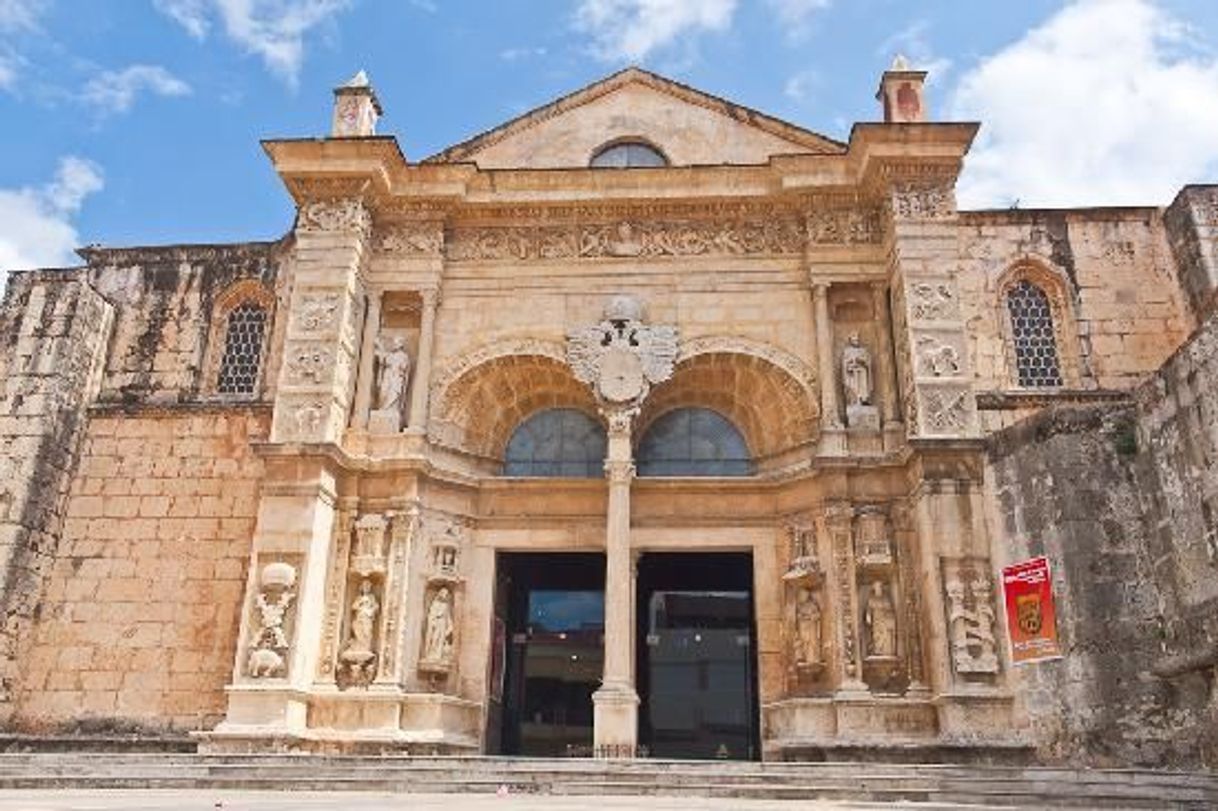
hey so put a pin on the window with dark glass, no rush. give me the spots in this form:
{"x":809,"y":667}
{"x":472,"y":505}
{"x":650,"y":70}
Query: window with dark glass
{"x":693,"y":442}
{"x":628,"y":154}
{"x":242,"y":357}
{"x":561,"y":442}
{"x":1035,"y":340}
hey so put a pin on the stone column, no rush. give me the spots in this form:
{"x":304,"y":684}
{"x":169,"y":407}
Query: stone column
{"x":833,"y":438}
{"x":420,"y":391}
{"x":839,"y":520}
{"x":886,"y":369}
{"x":367,"y":359}
{"x":616,"y":702}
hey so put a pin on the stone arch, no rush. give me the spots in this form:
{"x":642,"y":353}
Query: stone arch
{"x":480,"y":398}
{"x":767,"y":393}
{"x":1056,"y":285}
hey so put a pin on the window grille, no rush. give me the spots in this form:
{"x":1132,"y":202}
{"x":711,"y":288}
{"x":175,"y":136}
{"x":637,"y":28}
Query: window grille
{"x":242,"y":350}
{"x":560,"y":442}
{"x":693,"y":442}
{"x":1035,"y":341}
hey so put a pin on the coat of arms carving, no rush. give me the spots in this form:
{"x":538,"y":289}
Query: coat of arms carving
{"x":621,"y":357}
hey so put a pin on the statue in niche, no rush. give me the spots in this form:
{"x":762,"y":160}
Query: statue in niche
{"x":808,"y":629}
{"x":856,"y":372}
{"x":880,"y":617}
{"x":438,"y":636}
{"x":358,"y":658}
{"x":392,"y":374}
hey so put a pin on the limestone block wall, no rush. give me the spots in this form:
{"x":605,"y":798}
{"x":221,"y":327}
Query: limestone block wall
{"x":139,"y":621}
{"x":1122,"y":498}
{"x":53,"y":333}
{"x":1119,"y":310}
{"x":1192,"y":229}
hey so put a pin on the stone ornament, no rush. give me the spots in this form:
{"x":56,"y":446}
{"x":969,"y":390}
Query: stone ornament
{"x":344,"y":214}
{"x":414,"y":239}
{"x":844,"y":226}
{"x":317,"y":312}
{"x":923,"y":201}
{"x":307,"y":419}
{"x":937,"y":358}
{"x":309,"y":363}
{"x":970,"y":618}
{"x":628,"y":239}
{"x":804,"y":562}
{"x":945,"y":411}
{"x":809,"y":631}
{"x":269,"y":644}
{"x":880,"y":619}
{"x":932,"y":301}
{"x":357,"y":661}
{"x":438,"y":633}
{"x":622,"y":357}
{"x":873,"y":537}
{"x":368,"y":553}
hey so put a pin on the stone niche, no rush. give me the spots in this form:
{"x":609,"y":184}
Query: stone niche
{"x":398,"y":331}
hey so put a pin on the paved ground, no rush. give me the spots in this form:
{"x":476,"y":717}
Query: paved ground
{"x":205,"y":800}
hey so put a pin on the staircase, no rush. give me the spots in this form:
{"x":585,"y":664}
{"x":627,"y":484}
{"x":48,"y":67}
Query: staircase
{"x":926,"y":783}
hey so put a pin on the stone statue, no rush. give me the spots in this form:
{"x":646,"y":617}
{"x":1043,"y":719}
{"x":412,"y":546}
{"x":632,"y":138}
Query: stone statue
{"x":881,"y":620}
{"x":438,"y":637}
{"x":808,"y":628}
{"x":392,"y":374}
{"x":363,"y":620}
{"x":856,"y":372}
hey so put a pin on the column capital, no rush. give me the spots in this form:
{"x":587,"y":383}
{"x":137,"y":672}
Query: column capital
{"x":430,"y":297}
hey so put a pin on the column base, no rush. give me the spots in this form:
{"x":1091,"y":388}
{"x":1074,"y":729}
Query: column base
{"x":832,"y":441}
{"x":615,"y":718}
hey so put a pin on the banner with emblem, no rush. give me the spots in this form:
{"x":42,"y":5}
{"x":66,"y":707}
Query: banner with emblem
{"x":1031,"y":617}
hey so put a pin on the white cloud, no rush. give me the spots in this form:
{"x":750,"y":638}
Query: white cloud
{"x":8,"y":71}
{"x":15,"y":14}
{"x":1105,"y":103}
{"x":190,"y":14}
{"x":912,"y":43}
{"x":36,"y":228}
{"x":517,"y":54}
{"x":794,"y":15}
{"x":273,"y":30}
{"x":629,"y":30}
{"x":801,"y":86}
{"x":115,"y":91}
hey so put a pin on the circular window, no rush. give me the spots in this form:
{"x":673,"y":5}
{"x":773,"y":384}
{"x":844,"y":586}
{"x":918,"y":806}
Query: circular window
{"x":628,"y":154}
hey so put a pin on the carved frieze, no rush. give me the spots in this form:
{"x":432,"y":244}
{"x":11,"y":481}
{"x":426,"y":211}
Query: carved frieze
{"x":968,"y":590}
{"x":945,"y":410}
{"x":844,"y":226}
{"x":317,"y":312}
{"x":334,"y":215}
{"x":937,"y":357}
{"x":933,"y":301}
{"x":627,"y":238}
{"x":413,"y":239}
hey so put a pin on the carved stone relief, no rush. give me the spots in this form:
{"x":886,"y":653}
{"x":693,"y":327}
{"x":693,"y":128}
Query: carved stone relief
{"x":809,"y":631}
{"x":413,"y":239}
{"x":309,"y":363}
{"x":844,"y":226}
{"x":923,"y":200}
{"x":945,"y":411}
{"x":368,"y":553}
{"x":270,"y":642}
{"x":880,"y":619}
{"x":622,"y":358}
{"x":856,"y":372}
{"x":873,"y":537}
{"x":345,"y":214}
{"x":438,"y":633}
{"x":969,"y":600}
{"x":937,"y":357}
{"x":627,"y":238}
{"x":357,"y":661}
{"x":317,"y":312}
{"x":933,"y":301}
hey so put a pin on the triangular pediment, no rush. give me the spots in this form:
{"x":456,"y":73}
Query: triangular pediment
{"x":688,"y":126}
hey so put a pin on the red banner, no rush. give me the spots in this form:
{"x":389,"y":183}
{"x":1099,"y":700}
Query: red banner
{"x":1031,"y":617}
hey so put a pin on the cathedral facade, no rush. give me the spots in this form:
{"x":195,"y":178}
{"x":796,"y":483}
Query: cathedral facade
{"x":645,"y":424}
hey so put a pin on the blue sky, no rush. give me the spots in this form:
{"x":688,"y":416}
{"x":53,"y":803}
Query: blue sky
{"x":138,"y":121}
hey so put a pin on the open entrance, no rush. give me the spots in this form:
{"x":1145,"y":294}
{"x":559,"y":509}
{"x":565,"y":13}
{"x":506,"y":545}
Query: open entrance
{"x":551,"y":608}
{"x":697,"y":678}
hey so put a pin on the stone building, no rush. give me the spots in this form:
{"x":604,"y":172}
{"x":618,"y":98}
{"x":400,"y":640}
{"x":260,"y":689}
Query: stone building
{"x":644,"y":423}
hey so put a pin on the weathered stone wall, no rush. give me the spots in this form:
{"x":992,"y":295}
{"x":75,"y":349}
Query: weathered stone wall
{"x":1192,"y":229}
{"x":53,"y":333}
{"x":1122,"y":499}
{"x":140,"y":616}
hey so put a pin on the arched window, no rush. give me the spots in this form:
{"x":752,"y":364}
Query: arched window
{"x":244,"y":337}
{"x":1033,"y":336}
{"x":561,"y":442}
{"x":627,"y":154}
{"x":693,"y":442}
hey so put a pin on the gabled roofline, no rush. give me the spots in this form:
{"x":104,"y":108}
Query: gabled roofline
{"x":814,"y":142}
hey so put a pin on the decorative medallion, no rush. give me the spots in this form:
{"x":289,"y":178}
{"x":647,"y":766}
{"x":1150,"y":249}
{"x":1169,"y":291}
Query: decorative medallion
{"x":622,"y":357}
